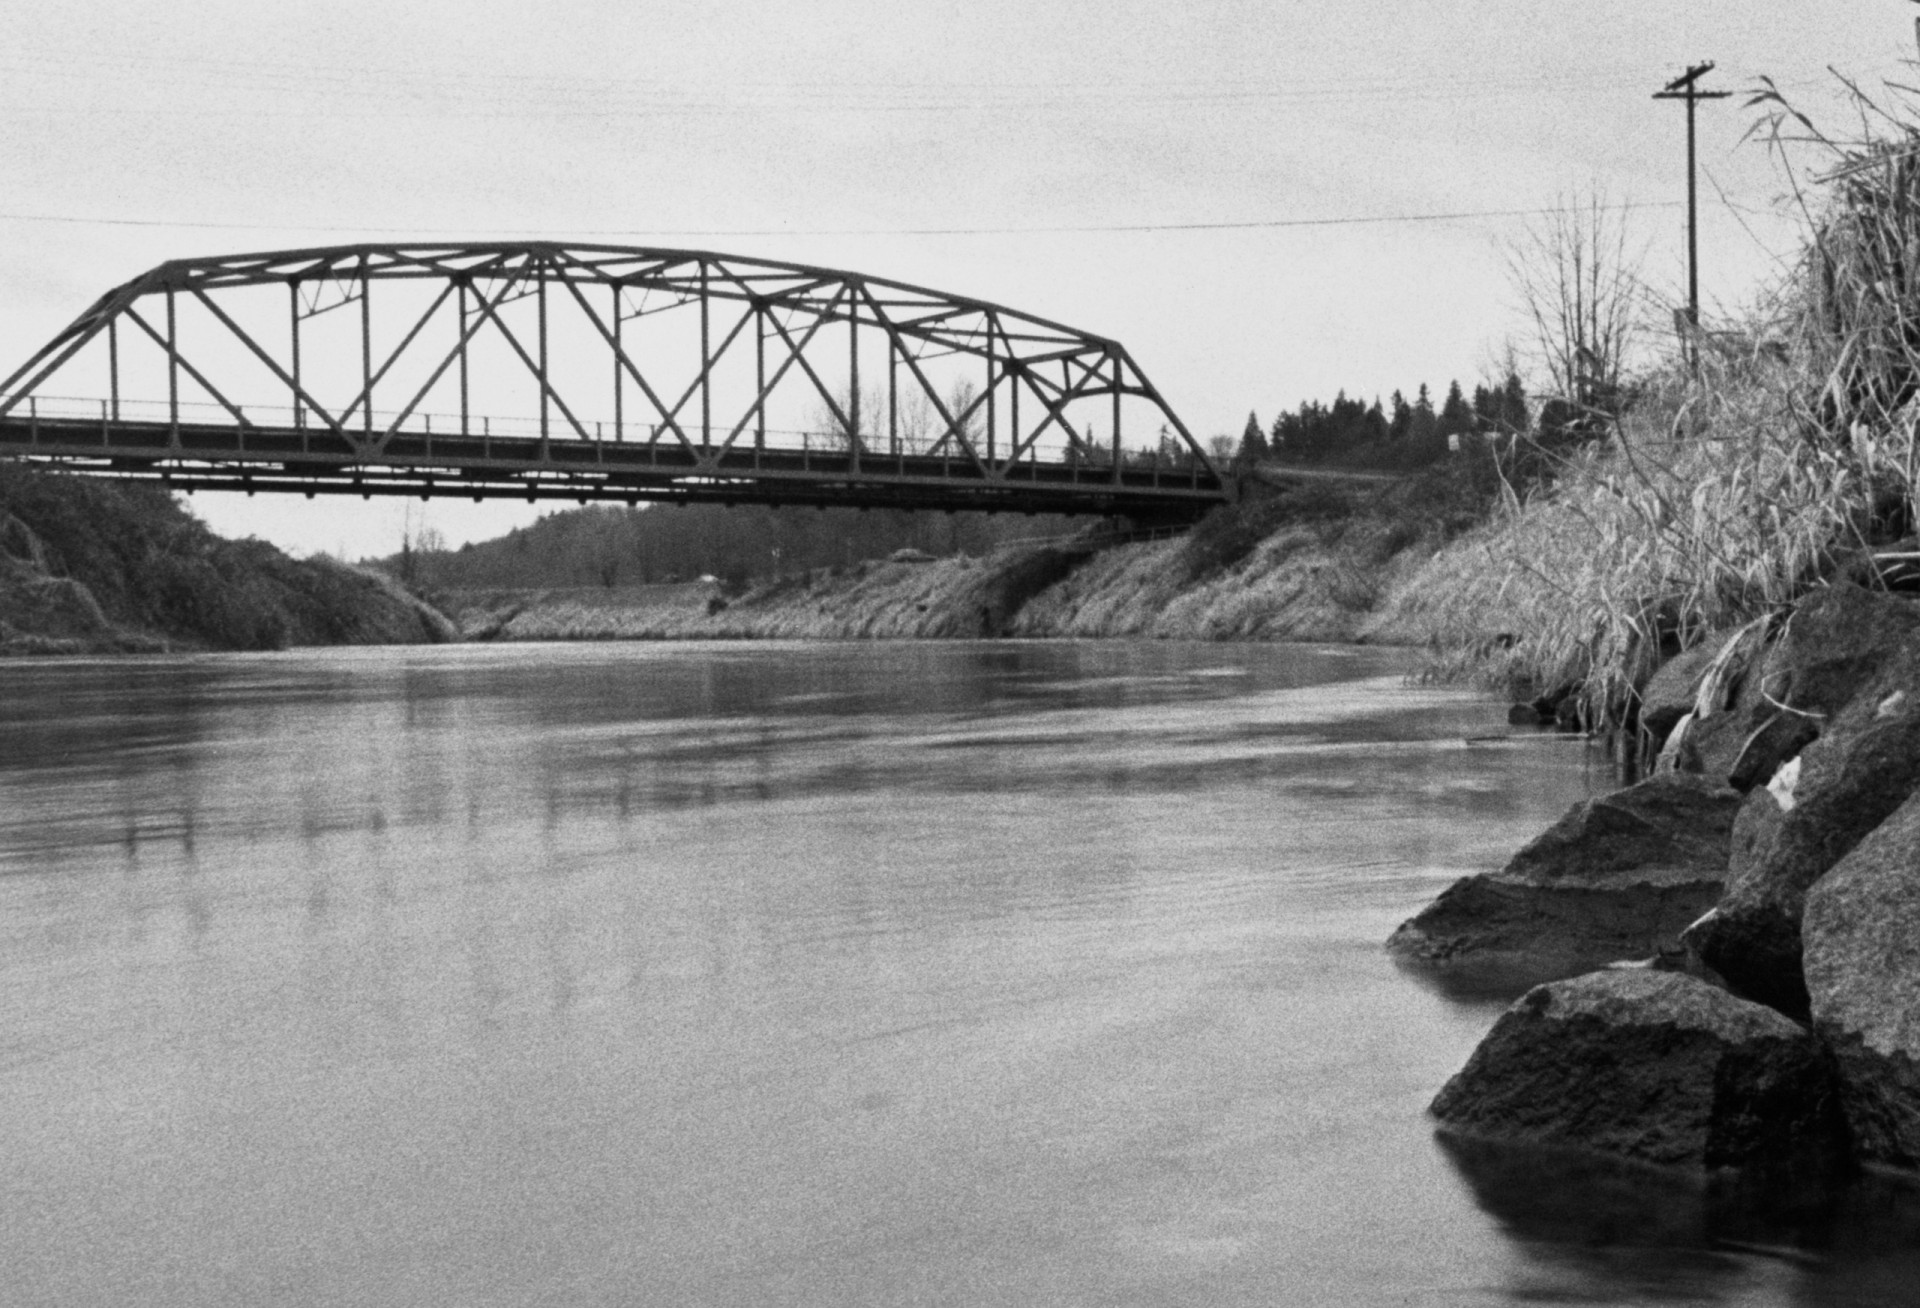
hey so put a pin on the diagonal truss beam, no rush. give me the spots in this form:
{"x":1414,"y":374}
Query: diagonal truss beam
{"x":619,"y":352}
{"x":134,"y":315}
{"x":1054,"y":408}
{"x":272,"y":363}
{"x":798,"y":357}
{"x":953,"y":429}
{"x":75,"y":338}
{"x":366,"y":395}
{"x":468,"y":330}
{"x":488,"y":311}
{"x":760,"y":400}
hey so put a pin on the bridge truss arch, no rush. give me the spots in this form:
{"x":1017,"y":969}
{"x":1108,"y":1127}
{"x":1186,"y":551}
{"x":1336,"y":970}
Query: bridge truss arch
{"x":597,"y":372}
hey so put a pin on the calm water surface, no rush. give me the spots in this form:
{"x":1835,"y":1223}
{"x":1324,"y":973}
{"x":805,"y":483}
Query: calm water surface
{"x":1023,"y":974}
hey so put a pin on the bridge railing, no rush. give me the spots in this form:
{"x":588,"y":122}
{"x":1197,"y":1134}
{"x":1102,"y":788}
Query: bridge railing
{"x":66,"y":410}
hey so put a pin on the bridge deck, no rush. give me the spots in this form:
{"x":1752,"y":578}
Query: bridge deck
{"x":316,"y":461}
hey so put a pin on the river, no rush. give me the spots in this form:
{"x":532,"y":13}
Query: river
{"x":800,"y":974}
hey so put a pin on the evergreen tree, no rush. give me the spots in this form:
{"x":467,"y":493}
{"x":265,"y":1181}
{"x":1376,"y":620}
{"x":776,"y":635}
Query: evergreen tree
{"x":1402,"y":421}
{"x":1486,"y":407}
{"x":1376,"y":423}
{"x":1424,"y":424}
{"x":1253,"y":442}
{"x":1513,"y":405}
{"x":1456,"y":415}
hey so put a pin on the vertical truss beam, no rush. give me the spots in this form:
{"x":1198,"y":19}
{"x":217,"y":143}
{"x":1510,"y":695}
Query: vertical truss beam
{"x":706,"y":367}
{"x":366,"y":351}
{"x":173,"y":365}
{"x":293,"y":337}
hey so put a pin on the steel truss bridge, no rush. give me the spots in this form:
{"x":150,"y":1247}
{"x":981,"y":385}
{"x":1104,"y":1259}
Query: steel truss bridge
{"x":591,"y":372}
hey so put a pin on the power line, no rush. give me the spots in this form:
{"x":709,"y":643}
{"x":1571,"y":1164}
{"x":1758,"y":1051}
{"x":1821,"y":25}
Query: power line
{"x":1740,"y":214}
{"x":599,"y":97}
{"x":611,"y":110}
{"x":1257,"y":224}
{"x":75,"y":65}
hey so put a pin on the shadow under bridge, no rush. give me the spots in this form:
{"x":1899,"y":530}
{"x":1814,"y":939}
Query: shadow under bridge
{"x":591,"y":372}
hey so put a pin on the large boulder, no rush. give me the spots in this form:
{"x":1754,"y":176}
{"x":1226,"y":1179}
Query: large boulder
{"x":1654,"y":1066}
{"x":1730,"y":700}
{"x":1759,"y":704}
{"x":1862,"y":956}
{"x":1671,"y":693}
{"x":1837,"y":642}
{"x":1618,"y":877}
{"x":1789,"y":834}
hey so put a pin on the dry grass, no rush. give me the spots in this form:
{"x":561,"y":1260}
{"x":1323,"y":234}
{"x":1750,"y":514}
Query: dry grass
{"x":1726,"y":494}
{"x":1301,"y":582}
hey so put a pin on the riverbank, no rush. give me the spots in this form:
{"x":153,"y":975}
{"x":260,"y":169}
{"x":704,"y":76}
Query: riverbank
{"x":1315,"y":561}
{"x":96,"y":567}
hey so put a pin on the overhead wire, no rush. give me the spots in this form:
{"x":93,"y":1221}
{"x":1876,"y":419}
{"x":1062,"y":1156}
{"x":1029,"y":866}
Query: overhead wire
{"x":588,"y":96}
{"x":1740,"y":213}
{"x":69,"y":65}
{"x":1252,"y":224}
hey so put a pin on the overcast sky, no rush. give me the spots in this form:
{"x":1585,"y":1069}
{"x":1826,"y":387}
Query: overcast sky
{"x":1243,"y":193}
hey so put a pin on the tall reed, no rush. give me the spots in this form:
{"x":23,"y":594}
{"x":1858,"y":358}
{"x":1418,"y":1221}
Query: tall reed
{"x":1731,"y":486}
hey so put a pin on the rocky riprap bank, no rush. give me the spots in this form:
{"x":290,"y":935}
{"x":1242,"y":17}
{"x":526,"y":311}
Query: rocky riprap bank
{"x":1726,"y":955}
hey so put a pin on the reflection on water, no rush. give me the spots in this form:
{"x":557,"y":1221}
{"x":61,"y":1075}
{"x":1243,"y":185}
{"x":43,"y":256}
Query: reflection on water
{"x":1584,"y":1222}
{"x":977,"y":973}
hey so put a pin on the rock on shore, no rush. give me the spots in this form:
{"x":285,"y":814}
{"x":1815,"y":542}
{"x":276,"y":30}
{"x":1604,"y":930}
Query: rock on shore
{"x":1654,"y":1066}
{"x":1863,"y":767}
{"x":1817,"y":723}
{"x":1862,"y":930}
{"x":1757,"y":704}
{"x":1618,"y":877}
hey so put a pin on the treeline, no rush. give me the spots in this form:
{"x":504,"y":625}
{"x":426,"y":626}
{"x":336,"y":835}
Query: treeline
{"x":605,"y":546}
{"x":1399,"y":434}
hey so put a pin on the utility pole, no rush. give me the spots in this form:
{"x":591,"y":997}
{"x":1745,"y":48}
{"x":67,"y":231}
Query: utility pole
{"x":1683,"y":88}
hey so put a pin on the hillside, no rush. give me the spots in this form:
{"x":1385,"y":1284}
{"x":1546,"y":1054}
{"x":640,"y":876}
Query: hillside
{"x":94,"y":567}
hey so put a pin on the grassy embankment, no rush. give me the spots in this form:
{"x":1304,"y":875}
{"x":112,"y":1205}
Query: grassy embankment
{"x":1721,"y":497}
{"x":1308,"y":561}
{"x":102,"y":567}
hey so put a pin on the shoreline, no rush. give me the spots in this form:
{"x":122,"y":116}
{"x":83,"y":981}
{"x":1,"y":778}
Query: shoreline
{"x":1293,"y":586}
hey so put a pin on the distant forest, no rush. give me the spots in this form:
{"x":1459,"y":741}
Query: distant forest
{"x":1398,"y":434}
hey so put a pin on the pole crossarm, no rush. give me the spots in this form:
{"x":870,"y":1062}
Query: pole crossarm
{"x":914,"y":398}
